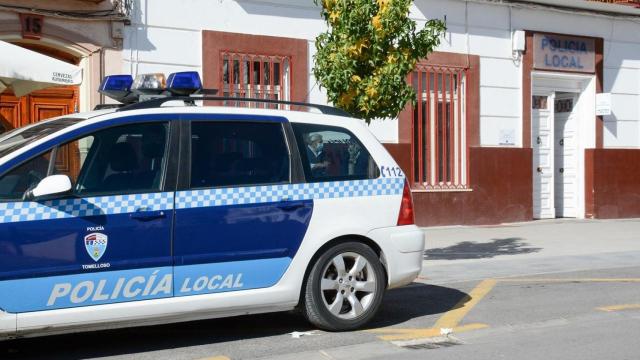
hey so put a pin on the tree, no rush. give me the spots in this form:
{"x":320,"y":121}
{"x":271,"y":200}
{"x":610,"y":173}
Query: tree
{"x":364,"y":57}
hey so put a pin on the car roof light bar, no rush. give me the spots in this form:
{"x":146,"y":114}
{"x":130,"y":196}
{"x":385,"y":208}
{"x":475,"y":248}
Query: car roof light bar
{"x":156,"y":103}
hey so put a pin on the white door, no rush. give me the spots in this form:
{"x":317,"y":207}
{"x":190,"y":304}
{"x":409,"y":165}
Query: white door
{"x":542,"y":129}
{"x":566,"y":155}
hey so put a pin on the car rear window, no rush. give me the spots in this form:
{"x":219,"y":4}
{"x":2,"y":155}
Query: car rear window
{"x":331,"y":153}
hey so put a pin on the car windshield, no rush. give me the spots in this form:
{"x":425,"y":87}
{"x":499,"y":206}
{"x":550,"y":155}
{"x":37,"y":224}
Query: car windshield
{"x":17,"y":138}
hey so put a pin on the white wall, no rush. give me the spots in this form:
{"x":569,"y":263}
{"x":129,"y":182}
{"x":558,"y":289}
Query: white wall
{"x":165,"y":38}
{"x":622,"y":79}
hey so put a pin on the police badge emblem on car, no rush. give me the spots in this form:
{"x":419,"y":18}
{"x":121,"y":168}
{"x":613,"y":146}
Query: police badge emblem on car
{"x":96,"y":245}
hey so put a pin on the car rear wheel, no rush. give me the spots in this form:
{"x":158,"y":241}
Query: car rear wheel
{"x":344,"y":288}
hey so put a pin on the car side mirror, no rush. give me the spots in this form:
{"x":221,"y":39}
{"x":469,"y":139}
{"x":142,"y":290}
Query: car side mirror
{"x":51,"y":185}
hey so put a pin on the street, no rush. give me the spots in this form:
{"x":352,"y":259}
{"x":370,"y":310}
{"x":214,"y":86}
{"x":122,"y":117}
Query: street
{"x":420,"y":179}
{"x":551,"y":289}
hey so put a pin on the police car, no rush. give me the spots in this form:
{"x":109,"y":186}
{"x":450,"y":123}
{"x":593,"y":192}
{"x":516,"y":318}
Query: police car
{"x":162,"y":211}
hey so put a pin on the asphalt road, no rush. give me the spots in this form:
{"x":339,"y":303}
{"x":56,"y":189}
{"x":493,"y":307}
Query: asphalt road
{"x":510,"y":304}
{"x":577,"y":315}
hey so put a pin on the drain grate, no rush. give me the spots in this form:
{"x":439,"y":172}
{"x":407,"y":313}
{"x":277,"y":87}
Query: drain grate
{"x":432,"y":345}
{"x":429,"y":344}
{"x":422,"y":346}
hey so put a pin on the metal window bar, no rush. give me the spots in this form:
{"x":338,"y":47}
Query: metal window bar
{"x":439,"y":149}
{"x":255,"y":76}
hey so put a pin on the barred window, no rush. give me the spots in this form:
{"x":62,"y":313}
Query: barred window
{"x":255,"y":76}
{"x":439,"y":150}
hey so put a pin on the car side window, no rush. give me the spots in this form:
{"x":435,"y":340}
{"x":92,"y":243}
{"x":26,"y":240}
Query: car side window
{"x":238,"y":154}
{"x":16,"y":182}
{"x":331,"y":153}
{"x":120,"y":160}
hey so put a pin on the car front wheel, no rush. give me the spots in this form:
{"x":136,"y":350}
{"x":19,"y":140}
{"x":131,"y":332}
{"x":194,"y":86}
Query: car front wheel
{"x":344,"y":288}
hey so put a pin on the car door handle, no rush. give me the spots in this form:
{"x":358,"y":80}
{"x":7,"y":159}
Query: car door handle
{"x":290,"y":206}
{"x":144,"y":215}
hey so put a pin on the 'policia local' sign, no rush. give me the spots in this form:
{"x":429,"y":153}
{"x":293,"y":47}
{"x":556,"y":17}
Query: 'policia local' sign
{"x":564,"y":53}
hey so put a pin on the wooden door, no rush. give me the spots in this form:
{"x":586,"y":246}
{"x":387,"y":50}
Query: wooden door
{"x":37,"y":106}
{"x":13,"y":112}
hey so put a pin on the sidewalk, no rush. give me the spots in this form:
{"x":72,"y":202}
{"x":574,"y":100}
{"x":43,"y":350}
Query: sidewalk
{"x":460,"y":253}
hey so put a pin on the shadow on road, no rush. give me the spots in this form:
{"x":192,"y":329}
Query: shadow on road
{"x":400,"y":305}
{"x":417,"y":300}
{"x":476,"y":250}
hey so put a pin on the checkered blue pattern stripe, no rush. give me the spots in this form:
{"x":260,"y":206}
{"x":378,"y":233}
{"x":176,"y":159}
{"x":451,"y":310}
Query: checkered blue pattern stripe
{"x":276,"y":193}
{"x":71,"y":208}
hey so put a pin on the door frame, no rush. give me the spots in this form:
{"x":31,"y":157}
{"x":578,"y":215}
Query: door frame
{"x":585,"y":87}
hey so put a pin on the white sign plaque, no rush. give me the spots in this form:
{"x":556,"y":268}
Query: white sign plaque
{"x":507,"y":137}
{"x":603,"y":104}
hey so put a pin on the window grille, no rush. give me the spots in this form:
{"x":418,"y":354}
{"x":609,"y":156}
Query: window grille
{"x":439,"y":151}
{"x":255,"y":76}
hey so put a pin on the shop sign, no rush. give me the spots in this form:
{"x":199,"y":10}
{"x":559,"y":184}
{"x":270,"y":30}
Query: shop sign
{"x":564,"y":53}
{"x":31,"y":26}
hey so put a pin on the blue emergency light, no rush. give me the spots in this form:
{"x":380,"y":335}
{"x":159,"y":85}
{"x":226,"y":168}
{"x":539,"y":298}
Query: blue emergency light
{"x":118,"y":87}
{"x":184,"y":83}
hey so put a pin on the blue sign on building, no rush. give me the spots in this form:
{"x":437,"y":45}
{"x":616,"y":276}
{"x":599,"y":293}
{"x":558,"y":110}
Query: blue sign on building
{"x":564,"y":53}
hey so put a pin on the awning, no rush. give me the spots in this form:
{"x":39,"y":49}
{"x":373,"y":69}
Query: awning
{"x":25,"y":71}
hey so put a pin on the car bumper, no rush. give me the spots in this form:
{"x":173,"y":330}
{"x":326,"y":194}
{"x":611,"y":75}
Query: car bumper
{"x":403,"y":251}
{"x":7,"y":325}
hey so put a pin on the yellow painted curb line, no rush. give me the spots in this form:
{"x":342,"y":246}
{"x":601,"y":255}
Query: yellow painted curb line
{"x":452,"y":318}
{"x":620,"y":307}
{"x":413,"y":334}
{"x":592,"y":280}
{"x":449,"y":320}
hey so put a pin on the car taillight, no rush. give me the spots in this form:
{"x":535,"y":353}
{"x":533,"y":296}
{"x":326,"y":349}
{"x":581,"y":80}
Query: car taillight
{"x":406,"y":207}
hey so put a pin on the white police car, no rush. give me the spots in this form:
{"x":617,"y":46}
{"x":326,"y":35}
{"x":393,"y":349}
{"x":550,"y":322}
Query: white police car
{"x":156,"y":214}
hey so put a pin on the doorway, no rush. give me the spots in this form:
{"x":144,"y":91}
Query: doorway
{"x":562,"y":127}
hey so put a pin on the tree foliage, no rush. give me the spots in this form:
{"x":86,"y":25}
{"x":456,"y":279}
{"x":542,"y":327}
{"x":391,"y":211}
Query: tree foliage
{"x":364,"y":57}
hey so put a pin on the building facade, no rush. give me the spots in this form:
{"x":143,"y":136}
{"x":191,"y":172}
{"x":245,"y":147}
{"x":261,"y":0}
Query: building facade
{"x":528,"y":109}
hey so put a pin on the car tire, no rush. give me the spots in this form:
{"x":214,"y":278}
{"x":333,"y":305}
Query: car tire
{"x":344,"y":288}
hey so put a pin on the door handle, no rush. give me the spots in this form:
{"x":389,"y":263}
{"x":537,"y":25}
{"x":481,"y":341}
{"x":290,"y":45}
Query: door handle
{"x":561,"y":170}
{"x":144,"y":215}
{"x":539,"y":140}
{"x":290,"y":205}
{"x":561,"y":142}
{"x":539,"y":169}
